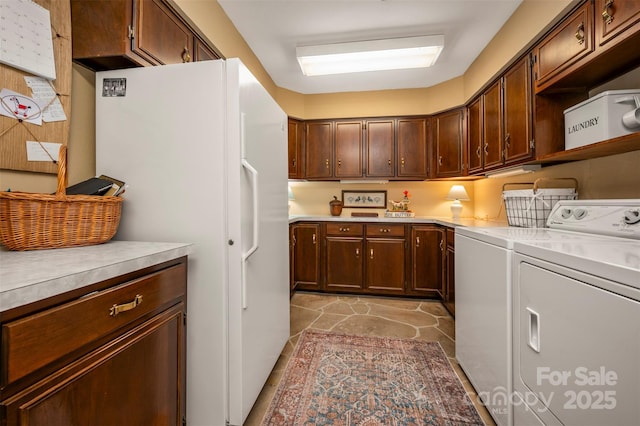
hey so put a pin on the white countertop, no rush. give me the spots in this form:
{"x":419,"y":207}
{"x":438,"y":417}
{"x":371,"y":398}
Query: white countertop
{"x":445,"y":221}
{"x":29,"y":276}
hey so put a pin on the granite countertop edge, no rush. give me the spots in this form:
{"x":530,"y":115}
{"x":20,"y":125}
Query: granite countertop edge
{"x":30,"y":276}
{"x":444,"y":221}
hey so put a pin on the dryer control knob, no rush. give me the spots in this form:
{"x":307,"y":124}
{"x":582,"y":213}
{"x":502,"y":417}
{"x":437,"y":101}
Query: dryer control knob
{"x":580,"y":213}
{"x":566,"y":213}
{"x":632,"y":217}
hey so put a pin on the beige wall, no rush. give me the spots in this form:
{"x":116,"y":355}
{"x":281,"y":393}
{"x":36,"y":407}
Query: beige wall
{"x":598,"y":177}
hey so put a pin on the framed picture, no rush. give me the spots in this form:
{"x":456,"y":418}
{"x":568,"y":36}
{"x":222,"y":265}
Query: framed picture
{"x":364,"y":199}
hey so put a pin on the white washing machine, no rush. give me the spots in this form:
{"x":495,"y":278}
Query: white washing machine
{"x":484,"y":283}
{"x":576,"y":320}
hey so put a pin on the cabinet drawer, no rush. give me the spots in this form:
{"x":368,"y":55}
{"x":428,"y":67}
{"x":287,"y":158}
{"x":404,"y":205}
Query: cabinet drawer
{"x":385,"y":230}
{"x":39,"y":339}
{"x":350,"y":229}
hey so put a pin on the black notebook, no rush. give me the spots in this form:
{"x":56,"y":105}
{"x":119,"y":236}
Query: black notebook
{"x":92,"y":186}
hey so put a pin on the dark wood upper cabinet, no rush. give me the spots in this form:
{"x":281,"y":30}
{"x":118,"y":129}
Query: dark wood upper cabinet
{"x":113,"y":34}
{"x":475,"y":141}
{"x":295,"y":136}
{"x":566,"y":47}
{"x":412,"y":154}
{"x":517,"y":112}
{"x":348,"y":149}
{"x":319,"y":149}
{"x":448,"y":137}
{"x":380,"y":148}
{"x":492,"y":127}
{"x":615,"y":20}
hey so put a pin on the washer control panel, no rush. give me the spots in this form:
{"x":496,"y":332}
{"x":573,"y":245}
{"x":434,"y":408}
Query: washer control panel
{"x":620,"y":218}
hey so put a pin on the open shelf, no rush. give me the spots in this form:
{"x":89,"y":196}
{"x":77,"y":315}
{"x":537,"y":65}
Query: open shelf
{"x":619,"y":145}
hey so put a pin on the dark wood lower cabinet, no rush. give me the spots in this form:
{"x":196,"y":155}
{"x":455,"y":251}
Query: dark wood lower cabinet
{"x":450,"y":274}
{"x":427,"y":260}
{"x":344,"y":263}
{"x":305,"y":265}
{"x":376,"y":258}
{"x":114,"y":356}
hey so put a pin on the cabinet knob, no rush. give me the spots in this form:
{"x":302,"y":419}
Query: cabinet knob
{"x":357,"y":252}
{"x":486,"y":148}
{"x":440,"y":160}
{"x":441,"y":245}
{"x":186,"y":56}
{"x":580,"y":33}
{"x":389,"y":162}
{"x":326,"y":163}
{"x":313,"y":238}
{"x":478,"y":153}
{"x":339,"y":163}
{"x":606,"y":16}
{"x":402,"y":161}
{"x":417,"y":241}
{"x":371,"y":254}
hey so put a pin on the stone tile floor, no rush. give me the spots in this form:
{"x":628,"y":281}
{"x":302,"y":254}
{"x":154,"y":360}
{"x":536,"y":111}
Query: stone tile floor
{"x":366,"y":315}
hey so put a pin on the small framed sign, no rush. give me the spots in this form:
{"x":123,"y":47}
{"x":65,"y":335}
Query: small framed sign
{"x":364,"y":199}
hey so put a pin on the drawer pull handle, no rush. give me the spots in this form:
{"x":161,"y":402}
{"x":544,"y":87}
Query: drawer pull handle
{"x":186,"y":56}
{"x":580,"y":33}
{"x":606,"y":16}
{"x":116,"y":309}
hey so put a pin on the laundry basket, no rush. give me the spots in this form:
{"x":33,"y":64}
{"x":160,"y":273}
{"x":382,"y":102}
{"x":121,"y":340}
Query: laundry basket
{"x":530,"y":208}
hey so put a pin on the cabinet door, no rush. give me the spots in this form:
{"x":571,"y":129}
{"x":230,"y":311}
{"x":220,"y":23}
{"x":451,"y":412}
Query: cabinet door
{"x":203,"y":52}
{"x":427,"y":257}
{"x":134,"y":380}
{"x":447,"y":137}
{"x":318,"y":150}
{"x":344,"y":264}
{"x":565,"y":48}
{"x":615,"y":19}
{"x":412,"y":147}
{"x":306,"y":256}
{"x":385,"y":265}
{"x":517,"y":115}
{"x":474,"y":136}
{"x":160,"y":36}
{"x":450,"y":274}
{"x":295,"y":135}
{"x":492,"y":126}
{"x":380,"y":147}
{"x":348,"y":149}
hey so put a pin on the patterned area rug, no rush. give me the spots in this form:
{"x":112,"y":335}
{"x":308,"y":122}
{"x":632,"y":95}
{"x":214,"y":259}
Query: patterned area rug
{"x":337,"y":379}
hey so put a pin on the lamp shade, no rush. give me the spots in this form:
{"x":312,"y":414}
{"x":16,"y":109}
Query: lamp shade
{"x":457,"y":192}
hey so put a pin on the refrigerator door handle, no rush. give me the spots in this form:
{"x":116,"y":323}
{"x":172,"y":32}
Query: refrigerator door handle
{"x":256,"y":223}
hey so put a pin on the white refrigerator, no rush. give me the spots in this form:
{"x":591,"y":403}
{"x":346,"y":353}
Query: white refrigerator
{"x":203,"y":149}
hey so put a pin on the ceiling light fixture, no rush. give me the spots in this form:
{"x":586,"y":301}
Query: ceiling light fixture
{"x":371,"y":55}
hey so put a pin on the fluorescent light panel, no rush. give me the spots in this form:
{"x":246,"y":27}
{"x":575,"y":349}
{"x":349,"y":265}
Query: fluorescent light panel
{"x":371,"y":55}
{"x":514,"y":171}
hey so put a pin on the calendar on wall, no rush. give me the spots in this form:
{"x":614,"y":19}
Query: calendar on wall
{"x":26,"y":42}
{"x":35,"y":83}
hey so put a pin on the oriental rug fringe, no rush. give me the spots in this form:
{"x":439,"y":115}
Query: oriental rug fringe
{"x":347,"y":380}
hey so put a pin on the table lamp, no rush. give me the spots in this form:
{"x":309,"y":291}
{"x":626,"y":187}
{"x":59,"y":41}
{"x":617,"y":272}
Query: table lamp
{"x":457,"y":193}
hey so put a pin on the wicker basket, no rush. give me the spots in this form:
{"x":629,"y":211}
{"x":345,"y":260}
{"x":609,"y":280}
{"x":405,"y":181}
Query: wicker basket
{"x":30,"y":221}
{"x":530,"y":208}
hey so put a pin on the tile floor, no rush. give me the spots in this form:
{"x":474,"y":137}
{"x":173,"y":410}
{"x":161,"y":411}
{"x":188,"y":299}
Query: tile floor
{"x":366,"y":315}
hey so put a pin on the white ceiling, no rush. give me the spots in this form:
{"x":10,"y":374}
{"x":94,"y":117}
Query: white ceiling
{"x":273,"y":29}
